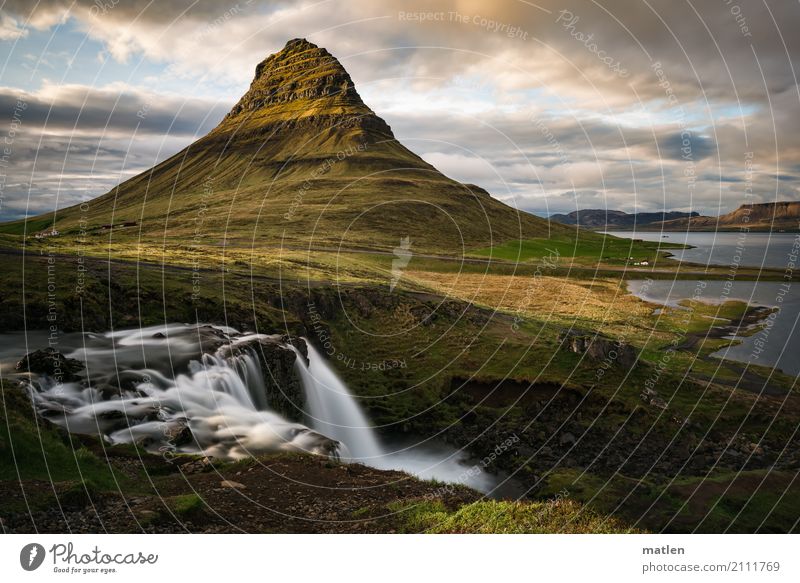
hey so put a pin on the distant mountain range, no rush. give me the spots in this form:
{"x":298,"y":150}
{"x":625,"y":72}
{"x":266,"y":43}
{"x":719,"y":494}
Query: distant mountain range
{"x":768,"y":216}
{"x":611,"y":219}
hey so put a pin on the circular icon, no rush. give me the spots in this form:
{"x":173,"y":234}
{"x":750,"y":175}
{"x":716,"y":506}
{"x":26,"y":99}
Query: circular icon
{"x":31,"y":556}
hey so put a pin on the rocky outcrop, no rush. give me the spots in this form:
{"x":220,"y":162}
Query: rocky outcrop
{"x":52,"y":363}
{"x":613,"y":219}
{"x":300,"y":71}
{"x":304,"y":85}
{"x":616,"y":353}
{"x":766,"y":216}
{"x":284,"y":390}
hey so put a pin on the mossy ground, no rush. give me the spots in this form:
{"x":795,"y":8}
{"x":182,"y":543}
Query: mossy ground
{"x":504,"y":517}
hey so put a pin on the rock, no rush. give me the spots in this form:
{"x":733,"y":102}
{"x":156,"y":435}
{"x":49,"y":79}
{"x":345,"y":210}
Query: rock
{"x":284,"y":390}
{"x":658,"y":402}
{"x":304,"y":72}
{"x":566,"y":439}
{"x":178,"y":432}
{"x":197,"y":466}
{"x":615,"y":353}
{"x":753,"y":447}
{"x":298,"y":343}
{"x":211,"y":338}
{"x":52,"y":363}
{"x":232,"y":484}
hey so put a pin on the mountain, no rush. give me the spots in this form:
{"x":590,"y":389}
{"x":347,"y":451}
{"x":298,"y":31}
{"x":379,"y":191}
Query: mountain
{"x":610,"y":219}
{"x":766,"y":216}
{"x":299,"y":159}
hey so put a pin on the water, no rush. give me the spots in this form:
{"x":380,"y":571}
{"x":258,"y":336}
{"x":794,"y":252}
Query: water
{"x":150,"y":385}
{"x":182,"y":389}
{"x":768,"y":250}
{"x":780,"y":340}
{"x":332,"y":411}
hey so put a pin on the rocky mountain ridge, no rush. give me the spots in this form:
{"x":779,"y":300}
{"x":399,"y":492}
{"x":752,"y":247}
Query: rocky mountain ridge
{"x":765,"y":216}
{"x":614,"y":219}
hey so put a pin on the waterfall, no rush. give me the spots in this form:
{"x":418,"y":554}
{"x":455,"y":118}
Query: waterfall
{"x":156,"y":387}
{"x":217,"y":407}
{"x":250,"y":376}
{"x":332,"y":410}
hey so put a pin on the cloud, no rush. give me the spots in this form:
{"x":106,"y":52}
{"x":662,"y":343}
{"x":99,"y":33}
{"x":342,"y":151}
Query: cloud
{"x":687,"y":146}
{"x":116,"y":109}
{"x":10,"y":28}
{"x":74,"y":142}
{"x":531,"y":115}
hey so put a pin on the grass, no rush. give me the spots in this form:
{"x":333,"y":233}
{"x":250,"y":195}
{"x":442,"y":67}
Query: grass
{"x":49,"y":461}
{"x":584,"y":248}
{"x":503,"y":517}
{"x":737,"y":502}
{"x":30,"y":449}
{"x":31,"y":226}
{"x":369,"y":324}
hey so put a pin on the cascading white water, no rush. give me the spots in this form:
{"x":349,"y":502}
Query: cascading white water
{"x":333,"y":411}
{"x":221,"y":399}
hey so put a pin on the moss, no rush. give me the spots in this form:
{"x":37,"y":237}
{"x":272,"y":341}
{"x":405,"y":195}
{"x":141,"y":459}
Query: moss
{"x":80,"y":494}
{"x":504,"y":517}
{"x":34,"y":449}
{"x":186,"y":505}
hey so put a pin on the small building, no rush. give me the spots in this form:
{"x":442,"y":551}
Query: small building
{"x":45,"y":234}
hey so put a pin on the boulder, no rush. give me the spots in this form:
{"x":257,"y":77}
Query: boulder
{"x":614,"y":352}
{"x":283,"y":388}
{"x":52,"y":363}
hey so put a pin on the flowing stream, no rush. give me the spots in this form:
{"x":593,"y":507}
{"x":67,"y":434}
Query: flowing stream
{"x":200,"y":389}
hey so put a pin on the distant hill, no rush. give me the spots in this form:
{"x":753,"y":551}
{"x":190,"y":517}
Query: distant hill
{"x":767,"y":216}
{"x":601,"y":219}
{"x":299,"y":158}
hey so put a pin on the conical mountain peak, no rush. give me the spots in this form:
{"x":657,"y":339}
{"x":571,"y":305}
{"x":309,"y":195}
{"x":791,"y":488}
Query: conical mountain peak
{"x":301,"y":71}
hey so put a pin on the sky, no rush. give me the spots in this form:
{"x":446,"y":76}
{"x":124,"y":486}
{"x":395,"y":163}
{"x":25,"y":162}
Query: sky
{"x":636,"y":105}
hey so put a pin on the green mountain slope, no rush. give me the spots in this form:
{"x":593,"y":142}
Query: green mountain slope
{"x":300,"y":159}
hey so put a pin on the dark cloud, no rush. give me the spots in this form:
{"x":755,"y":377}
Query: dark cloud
{"x":49,"y":171}
{"x":721,"y":178}
{"x":81,"y":109}
{"x":686,"y":146}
